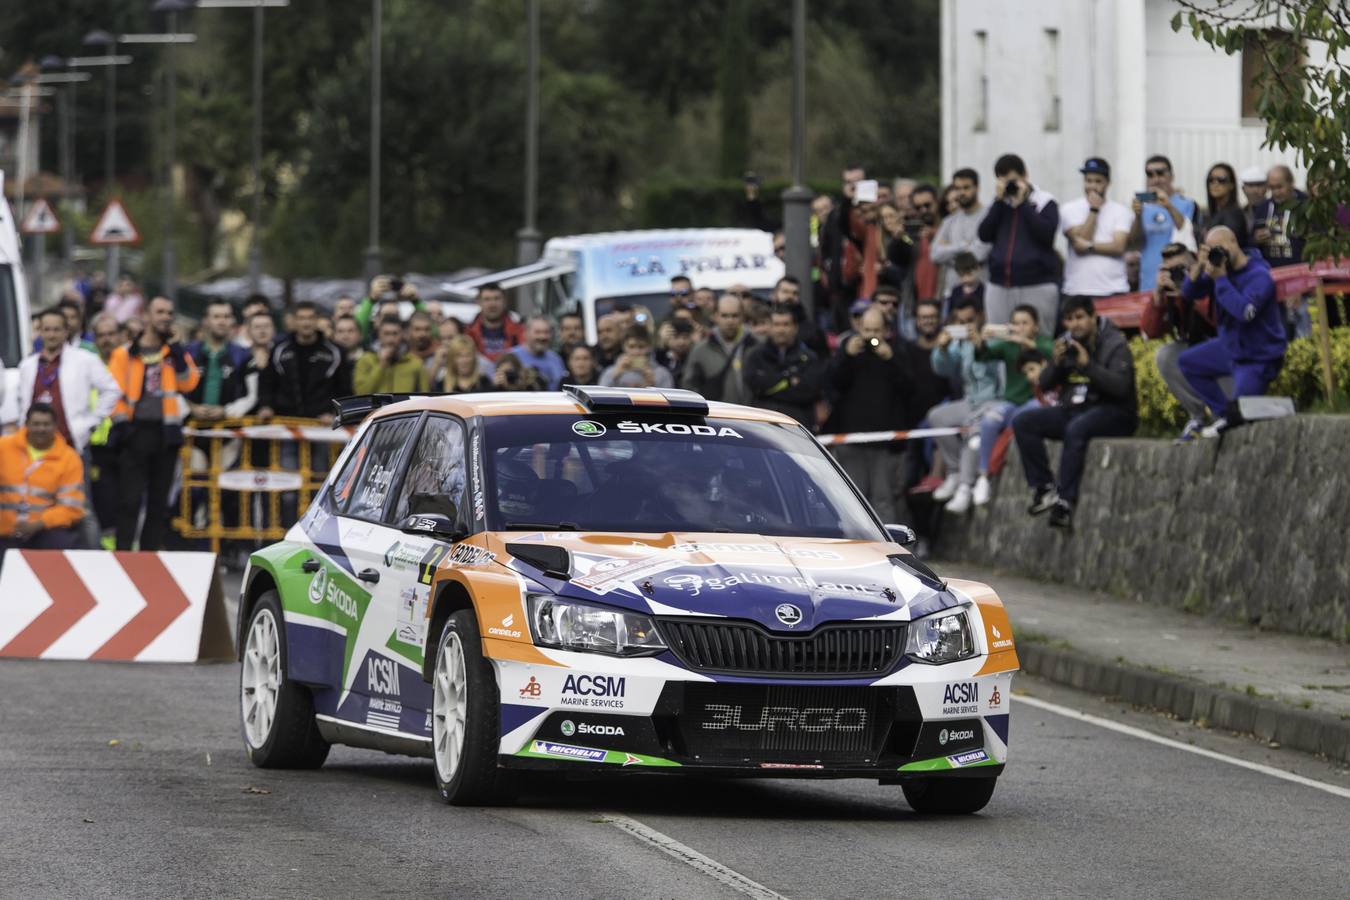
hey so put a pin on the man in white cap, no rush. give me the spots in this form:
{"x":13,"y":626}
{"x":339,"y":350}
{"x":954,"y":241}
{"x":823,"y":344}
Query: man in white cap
{"x":1255,"y":189}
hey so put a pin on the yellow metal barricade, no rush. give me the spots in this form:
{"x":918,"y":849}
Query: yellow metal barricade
{"x":239,"y":476}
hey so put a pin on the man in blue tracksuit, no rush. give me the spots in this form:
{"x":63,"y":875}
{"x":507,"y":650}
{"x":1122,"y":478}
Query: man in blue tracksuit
{"x":1251,"y":342}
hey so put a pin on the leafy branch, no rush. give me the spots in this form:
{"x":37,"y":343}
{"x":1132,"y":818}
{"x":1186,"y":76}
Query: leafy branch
{"x":1303,"y":86}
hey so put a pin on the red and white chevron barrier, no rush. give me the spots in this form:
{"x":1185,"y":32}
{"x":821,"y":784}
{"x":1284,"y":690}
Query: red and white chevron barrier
{"x":95,"y":604}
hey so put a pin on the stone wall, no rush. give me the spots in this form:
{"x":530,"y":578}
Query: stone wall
{"x":1253,"y":527}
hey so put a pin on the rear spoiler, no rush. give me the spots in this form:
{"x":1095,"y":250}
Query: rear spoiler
{"x":351,"y":410}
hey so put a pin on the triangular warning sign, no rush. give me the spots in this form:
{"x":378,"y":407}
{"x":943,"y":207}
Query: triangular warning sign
{"x":114,"y":226}
{"x":40,"y":219}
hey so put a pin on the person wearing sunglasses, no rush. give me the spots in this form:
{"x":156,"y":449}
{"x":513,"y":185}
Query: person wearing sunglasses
{"x":681,"y":289}
{"x":1160,"y":212}
{"x":1221,"y":206}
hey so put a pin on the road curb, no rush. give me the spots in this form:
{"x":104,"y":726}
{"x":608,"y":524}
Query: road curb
{"x":1219,"y":707}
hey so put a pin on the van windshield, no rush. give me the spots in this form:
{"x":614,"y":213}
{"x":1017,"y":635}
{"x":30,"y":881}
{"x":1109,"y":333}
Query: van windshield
{"x":654,"y":473}
{"x":10,"y":351}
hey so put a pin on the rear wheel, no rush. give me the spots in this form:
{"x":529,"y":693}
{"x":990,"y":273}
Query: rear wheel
{"x":277,"y":714}
{"x":465,"y":712}
{"x":948,"y":796}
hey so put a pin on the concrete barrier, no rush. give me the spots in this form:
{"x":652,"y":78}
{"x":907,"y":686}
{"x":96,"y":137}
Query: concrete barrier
{"x":1254,"y":526}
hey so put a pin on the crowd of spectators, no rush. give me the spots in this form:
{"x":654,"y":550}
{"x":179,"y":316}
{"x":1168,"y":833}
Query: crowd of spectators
{"x":929,"y":309}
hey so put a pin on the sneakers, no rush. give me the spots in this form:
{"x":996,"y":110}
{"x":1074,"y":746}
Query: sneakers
{"x":981,"y":493}
{"x":948,"y":488}
{"x":961,"y":502}
{"x":1214,"y":429}
{"x":1042,"y":499}
{"x":1061,"y":515}
{"x":1191,"y":431}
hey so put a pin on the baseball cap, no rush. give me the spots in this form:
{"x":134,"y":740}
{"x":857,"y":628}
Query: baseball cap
{"x":1096,"y":166}
{"x":1253,"y":175}
{"x":859,"y":306}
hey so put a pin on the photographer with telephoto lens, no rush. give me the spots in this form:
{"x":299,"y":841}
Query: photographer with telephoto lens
{"x":1188,"y":323}
{"x":1251,"y":342}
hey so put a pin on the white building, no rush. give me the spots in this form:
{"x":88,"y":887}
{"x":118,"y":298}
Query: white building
{"x":1057,"y":81}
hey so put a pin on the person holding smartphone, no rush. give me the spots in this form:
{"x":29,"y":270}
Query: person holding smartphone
{"x":1160,"y":212}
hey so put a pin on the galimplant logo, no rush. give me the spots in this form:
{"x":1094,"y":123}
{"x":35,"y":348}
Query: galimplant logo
{"x":318,"y":585}
{"x":788,"y":614}
{"x":588,"y":428}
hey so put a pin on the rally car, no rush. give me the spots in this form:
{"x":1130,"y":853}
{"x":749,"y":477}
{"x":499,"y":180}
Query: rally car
{"x":608,"y":580}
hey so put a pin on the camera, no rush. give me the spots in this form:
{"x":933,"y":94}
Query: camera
{"x":512,"y":377}
{"x":1010,"y":189}
{"x":874,"y":342}
{"x":1177,"y":274}
{"x":1218,"y":256}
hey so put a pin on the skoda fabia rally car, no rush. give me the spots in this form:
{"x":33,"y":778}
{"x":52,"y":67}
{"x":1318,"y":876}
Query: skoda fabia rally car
{"x":605,"y":580}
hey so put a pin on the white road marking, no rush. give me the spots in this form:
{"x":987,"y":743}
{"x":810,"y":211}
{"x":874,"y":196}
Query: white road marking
{"x":1068,"y":712}
{"x":692,"y":858}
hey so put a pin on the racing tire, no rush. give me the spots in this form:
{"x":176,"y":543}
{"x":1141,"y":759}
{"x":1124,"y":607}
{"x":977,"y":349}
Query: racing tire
{"x":465,"y":716}
{"x":276,"y":714}
{"x":948,"y":796}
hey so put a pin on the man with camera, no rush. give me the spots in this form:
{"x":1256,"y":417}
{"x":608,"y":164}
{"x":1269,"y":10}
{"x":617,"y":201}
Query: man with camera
{"x":1021,"y":226}
{"x":384,"y":289}
{"x":1094,"y":372}
{"x":1188,"y":322}
{"x":1161,"y":216}
{"x":389,"y":369}
{"x":783,"y":373}
{"x":1251,"y":341}
{"x":871,"y":389}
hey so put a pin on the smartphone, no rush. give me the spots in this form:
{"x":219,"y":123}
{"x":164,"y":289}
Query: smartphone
{"x":1145,"y":196}
{"x":958,"y":332}
{"x":999,"y":332}
{"x":865,"y":191}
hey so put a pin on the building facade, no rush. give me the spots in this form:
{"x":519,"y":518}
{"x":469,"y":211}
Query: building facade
{"x":1057,"y":81}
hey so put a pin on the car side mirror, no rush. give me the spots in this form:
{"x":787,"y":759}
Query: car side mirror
{"x":432,"y":525}
{"x":902,"y":534}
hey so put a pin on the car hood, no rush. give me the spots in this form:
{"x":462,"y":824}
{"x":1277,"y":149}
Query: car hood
{"x":784,"y":584}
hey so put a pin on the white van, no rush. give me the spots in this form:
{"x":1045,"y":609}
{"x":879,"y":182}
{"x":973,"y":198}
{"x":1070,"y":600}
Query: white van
{"x":15,"y":339}
{"x":591,"y":273}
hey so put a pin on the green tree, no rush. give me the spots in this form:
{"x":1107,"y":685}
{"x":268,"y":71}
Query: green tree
{"x":1304,"y":85}
{"x":733,"y":89}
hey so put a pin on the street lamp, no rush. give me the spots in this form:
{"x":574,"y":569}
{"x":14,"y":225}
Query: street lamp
{"x":172,"y":38}
{"x":797,"y":199}
{"x":373,"y":261}
{"x":527,"y":238}
{"x":65,"y":120}
{"x":110,"y":60}
{"x":254,"y":244}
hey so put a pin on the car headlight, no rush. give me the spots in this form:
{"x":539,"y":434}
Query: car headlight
{"x":941,"y":638}
{"x":568,"y":625}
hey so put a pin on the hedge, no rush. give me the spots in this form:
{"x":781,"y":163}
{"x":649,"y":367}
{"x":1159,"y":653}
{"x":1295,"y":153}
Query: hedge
{"x":1301,"y":379}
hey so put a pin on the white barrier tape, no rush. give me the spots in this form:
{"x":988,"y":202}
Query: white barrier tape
{"x":886,"y":437}
{"x":314,"y":434}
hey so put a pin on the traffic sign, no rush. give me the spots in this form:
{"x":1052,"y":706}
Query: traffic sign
{"x":114,"y":226}
{"x":40,"y":219}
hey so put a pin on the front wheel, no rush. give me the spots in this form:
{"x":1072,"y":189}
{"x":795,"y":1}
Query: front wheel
{"x":464,"y":719}
{"x":277,"y":714}
{"x":948,"y":796}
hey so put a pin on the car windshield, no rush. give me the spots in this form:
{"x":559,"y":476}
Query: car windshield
{"x":658,"y":473}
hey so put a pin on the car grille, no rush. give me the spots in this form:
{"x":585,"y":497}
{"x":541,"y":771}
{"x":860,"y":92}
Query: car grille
{"x":831,"y":651}
{"x":784,"y":723}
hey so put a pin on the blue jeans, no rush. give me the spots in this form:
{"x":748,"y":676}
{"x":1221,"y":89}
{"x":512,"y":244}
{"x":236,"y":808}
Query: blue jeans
{"x":1207,"y":362}
{"x":992,"y":423}
{"x":1075,"y":428}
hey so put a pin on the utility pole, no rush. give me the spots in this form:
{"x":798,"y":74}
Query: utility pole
{"x":374,"y":261}
{"x":255,"y":239}
{"x":797,"y":199}
{"x":528,"y":237}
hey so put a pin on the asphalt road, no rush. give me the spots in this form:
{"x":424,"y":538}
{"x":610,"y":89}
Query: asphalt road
{"x":173,"y":809}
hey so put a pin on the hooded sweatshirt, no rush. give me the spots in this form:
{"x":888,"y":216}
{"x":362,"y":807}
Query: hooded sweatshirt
{"x":1108,"y":376}
{"x":1250,"y":324}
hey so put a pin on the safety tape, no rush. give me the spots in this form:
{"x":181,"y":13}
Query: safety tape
{"x":886,"y":437}
{"x":314,"y":434}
